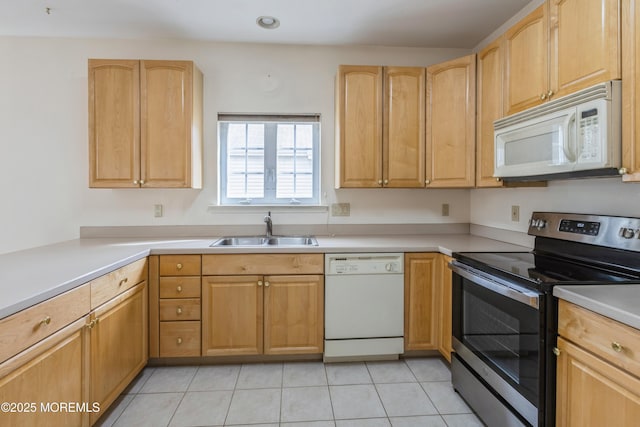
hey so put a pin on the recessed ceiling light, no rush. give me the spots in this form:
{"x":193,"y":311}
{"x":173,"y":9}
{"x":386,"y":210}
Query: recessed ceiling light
{"x":268,"y":22}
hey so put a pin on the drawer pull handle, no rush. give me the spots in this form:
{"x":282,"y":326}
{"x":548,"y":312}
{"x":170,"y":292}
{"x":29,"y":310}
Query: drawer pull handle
{"x":123,"y":281}
{"x":617,"y":347}
{"x":179,"y":288}
{"x":556,"y":351}
{"x":45,"y":321}
{"x":179,"y":310}
{"x":179,"y":266}
{"x":179,"y":341}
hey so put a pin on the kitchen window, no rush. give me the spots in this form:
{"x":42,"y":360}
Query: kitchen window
{"x":269,"y":159}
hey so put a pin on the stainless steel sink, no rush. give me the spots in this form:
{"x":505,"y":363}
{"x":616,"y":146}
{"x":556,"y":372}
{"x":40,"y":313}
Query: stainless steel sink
{"x":266,"y":241}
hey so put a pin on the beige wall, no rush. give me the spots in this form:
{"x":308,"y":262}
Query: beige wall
{"x":43,"y":135}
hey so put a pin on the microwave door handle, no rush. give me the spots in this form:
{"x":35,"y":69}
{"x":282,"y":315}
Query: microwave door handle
{"x":569,"y":148}
{"x":528,"y":298}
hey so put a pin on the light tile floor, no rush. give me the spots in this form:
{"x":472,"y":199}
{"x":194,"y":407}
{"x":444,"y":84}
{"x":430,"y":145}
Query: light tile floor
{"x":405,"y":393}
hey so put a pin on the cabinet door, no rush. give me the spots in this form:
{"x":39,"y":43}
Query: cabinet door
{"x":118,"y":345}
{"x":420,"y":301}
{"x":451,"y":123}
{"x":167,"y":118}
{"x":631,"y":90}
{"x":591,"y":392}
{"x":585,"y":43}
{"x":293,"y":314}
{"x":490,"y":79}
{"x":444,"y":302}
{"x":359,"y":127}
{"x":232,"y":315}
{"x":50,"y":372}
{"x":403,"y":127}
{"x":526,"y":61}
{"x":114,"y":123}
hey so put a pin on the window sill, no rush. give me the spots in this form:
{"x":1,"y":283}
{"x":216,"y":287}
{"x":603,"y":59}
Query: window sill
{"x":250,"y":209}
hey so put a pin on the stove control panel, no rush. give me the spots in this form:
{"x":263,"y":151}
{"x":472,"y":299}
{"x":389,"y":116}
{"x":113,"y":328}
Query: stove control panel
{"x":603,"y":230}
{"x":580,"y":227}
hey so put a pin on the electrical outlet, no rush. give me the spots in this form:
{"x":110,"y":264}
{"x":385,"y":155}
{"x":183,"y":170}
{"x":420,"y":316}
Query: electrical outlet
{"x":340,"y":209}
{"x":445,"y":209}
{"x":515,"y":213}
{"x":157,"y":211}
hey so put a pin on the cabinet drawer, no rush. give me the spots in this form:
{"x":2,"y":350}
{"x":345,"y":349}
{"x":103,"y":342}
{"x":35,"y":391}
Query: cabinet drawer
{"x":111,"y":284}
{"x":180,"y":287}
{"x":266,"y":264}
{"x":27,"y":327}
{"x":180,"y":265}
{"x":179,"y":339}
{"x":615,"y":342}
{"x":180,"y":309}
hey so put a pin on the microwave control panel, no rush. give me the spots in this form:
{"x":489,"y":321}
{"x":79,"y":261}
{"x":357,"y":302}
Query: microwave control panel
{"x":589,"y":136}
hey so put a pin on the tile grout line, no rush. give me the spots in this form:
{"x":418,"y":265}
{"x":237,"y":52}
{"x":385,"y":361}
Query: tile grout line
{"x":375,"y":387}
{"x":326,"y":377}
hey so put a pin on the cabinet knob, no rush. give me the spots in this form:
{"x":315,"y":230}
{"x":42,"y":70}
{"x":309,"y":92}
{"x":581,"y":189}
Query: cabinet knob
{"x":556,"y":351}
{"x":45,"y":321}
{"x":142,"y":182}
{"x":622,"y":171}
{"x":549,"y":94}
{"x":266,"y":284}
{"x":179,"y":341}
{"x":179,"y":266}
{"x":617,"y":347}
{"x":259,"y":282}
{"x":135,"y":182}
{"x":386,"y":181}
{"x":123,"y":281}
{"x":427,"y":182}
{"x":379,"y":182}
{"x":179,"y":310}
{"x":498,"y":179}
{"x":543,"y":96}
{"x":179,"y":289}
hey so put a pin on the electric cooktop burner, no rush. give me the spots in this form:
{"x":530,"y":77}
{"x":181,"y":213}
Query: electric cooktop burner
{"x":541,"y":271}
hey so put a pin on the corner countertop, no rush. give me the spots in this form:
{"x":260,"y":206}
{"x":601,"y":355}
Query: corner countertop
{"x":618,"y":302}
{"x":31,"y":276}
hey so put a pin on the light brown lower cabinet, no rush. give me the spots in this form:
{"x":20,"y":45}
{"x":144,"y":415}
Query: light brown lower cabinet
{"x":592,"y":392}
{"x":36,"y":381}
{"x":427,"y":303}
{"x":277,"y":314}
{"x":420,"y":301}
{"x":119,"y":345}
{"x":598,"y":364}
{"x":444,"y":302}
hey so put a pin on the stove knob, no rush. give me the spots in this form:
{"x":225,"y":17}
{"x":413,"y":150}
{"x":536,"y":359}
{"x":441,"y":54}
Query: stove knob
{"x":388,"y":267}
{"x":542,"y":224}
{"x":627,"y":233}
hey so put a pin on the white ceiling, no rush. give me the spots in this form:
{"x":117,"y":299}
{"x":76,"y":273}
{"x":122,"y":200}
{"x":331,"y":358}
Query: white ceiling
{"x":411,"y":23}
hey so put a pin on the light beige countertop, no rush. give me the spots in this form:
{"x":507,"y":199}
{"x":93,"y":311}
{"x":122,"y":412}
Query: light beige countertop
{"x":31,"y":276}
{"x":618,"y":302}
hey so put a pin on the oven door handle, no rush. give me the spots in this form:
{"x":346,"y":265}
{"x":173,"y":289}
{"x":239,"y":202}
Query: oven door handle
{"x":523,"y":296}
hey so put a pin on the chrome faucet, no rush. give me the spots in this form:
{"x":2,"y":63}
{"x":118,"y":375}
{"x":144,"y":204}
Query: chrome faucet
{"x":267,"y":220}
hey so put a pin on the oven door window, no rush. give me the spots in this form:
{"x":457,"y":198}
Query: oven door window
{"x":502,"y":332}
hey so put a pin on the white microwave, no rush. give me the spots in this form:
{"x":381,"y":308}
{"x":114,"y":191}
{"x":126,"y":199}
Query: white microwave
{"x":575,"y":136}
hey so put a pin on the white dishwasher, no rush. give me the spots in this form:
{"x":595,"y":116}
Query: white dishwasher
{"x":364,"y":306}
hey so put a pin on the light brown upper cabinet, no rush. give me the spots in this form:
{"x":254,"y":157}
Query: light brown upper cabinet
{"x":631,"y":90}
{"x":559,"y":48}
{"x":145,"y":124}
{"x":380,"y":127}
{"x":489,"y":109}
{"x":451,"y":123}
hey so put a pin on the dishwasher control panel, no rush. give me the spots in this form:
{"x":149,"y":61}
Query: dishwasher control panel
{"x":359,"y":263}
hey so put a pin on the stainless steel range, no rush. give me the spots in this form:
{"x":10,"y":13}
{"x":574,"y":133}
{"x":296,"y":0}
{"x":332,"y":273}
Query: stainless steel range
{"x":505,"y":316}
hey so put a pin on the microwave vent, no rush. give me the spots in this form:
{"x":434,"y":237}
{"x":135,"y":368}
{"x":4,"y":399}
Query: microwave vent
{"x":599,"y":91}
